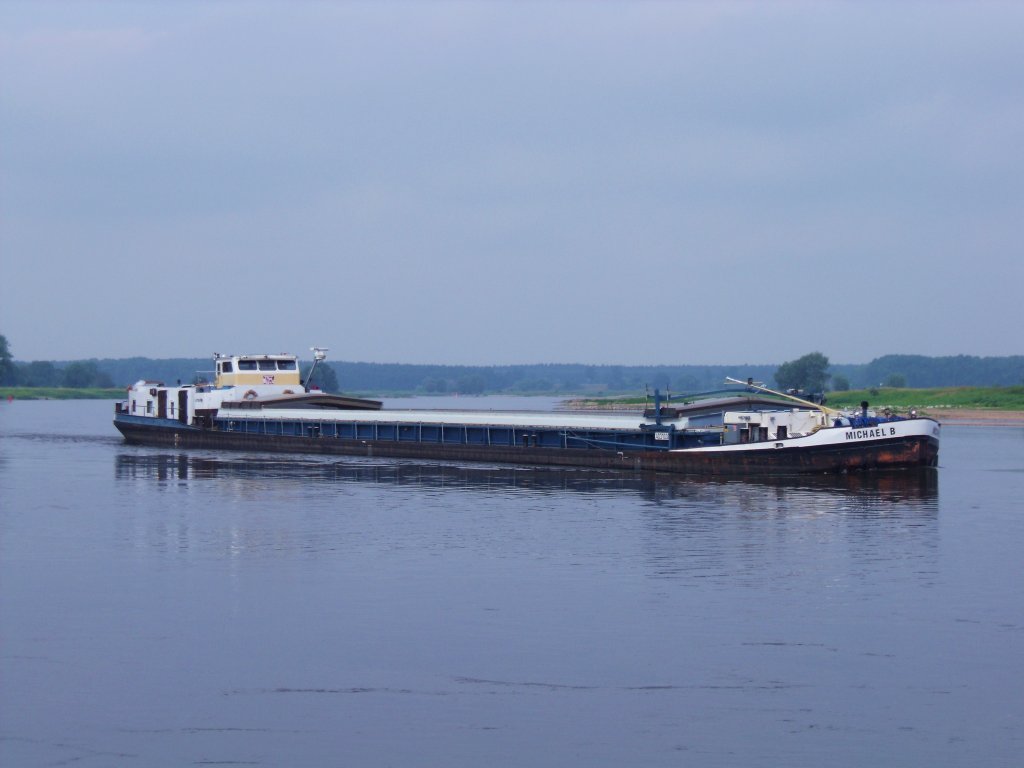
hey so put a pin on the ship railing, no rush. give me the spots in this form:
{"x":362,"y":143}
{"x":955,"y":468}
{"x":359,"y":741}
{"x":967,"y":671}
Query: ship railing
{"x":871,"y":421}
{"x":463,"y":434}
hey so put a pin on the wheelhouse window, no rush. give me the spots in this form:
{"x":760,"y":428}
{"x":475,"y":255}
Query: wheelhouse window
{"x":286,"y":365}
{"x":267,"y":365}
{"x":247,"y":365}
{"x":227,"y":367}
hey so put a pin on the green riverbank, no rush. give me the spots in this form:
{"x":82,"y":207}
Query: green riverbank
{"x":995,"y":398}
{"x":988,"y":398}
{"x":60,"y":393}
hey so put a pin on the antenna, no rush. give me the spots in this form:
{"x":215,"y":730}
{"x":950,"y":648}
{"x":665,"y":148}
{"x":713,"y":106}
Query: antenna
{"x":319,"y":354}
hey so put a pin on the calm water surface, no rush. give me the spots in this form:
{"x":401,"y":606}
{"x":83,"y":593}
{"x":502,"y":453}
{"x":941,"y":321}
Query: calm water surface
{"x":166,"y":609}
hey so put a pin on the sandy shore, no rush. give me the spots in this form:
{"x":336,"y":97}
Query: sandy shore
{"x":982,"y":417}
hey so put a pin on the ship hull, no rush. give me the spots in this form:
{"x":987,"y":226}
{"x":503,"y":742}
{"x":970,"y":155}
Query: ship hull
{"x":914,"y":444}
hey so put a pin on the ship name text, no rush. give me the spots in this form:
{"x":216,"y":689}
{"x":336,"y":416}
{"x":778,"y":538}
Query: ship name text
{"x":863,"y":434}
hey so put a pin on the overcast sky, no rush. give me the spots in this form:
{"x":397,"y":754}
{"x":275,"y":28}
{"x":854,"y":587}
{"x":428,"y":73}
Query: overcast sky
{"x":490,"y":183}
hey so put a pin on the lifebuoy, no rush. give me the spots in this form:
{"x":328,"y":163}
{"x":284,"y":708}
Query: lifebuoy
{"x":250,"y":394}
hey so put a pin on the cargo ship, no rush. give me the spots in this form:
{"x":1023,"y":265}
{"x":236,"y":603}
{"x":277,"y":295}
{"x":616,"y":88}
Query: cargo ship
{"x":260,"y":403}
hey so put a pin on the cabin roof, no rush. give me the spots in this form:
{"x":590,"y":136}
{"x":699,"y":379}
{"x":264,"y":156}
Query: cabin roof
{"x":317,"y":400}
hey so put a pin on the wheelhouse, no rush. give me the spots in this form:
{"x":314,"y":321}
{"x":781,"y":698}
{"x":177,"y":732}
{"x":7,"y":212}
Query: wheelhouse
{"x":256,"y":370}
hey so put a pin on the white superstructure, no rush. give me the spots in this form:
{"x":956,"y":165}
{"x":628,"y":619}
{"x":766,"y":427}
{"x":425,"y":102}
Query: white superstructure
{"x":243,"y":378}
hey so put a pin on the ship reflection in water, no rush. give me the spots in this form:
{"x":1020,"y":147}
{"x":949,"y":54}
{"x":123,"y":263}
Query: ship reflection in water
{"x":917,"y":488}
{"x":668,"y":526}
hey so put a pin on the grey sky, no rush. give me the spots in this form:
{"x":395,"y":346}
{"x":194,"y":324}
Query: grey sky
{"x":521,"y":182}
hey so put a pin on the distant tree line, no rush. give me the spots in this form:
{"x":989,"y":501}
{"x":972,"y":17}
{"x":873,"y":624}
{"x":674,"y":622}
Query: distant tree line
{"x":77,"y":374}
{"x":922,"y":371}
{"x":812,"y":372}
{"x":536,"y":379}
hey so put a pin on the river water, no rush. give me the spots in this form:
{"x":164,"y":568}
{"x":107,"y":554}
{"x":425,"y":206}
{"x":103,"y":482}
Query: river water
{"x":165,"y":609}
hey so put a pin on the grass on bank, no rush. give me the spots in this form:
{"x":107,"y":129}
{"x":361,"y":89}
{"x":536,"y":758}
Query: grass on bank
{"x":995,"y":398}
{"x":60,"y":393}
